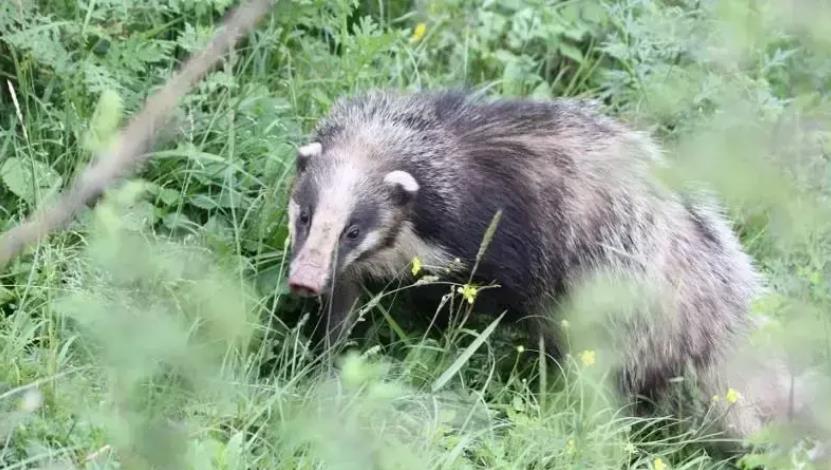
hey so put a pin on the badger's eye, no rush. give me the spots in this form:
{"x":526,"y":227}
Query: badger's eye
{"x":353,"y":232}
{"x":304,"y":217}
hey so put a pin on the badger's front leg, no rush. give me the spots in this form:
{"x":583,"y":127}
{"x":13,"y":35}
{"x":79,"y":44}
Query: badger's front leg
{"x":337,"y":307}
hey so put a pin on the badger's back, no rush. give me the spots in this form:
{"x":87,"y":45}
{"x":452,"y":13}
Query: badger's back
{"x":576,"y":196}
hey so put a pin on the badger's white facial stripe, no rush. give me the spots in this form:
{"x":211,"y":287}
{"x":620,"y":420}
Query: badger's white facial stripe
{"x":393,"y":262}
{"x":294,"y":210}
{"x":403,"y":180}
{"x":336,"y":199}
{"x":370,"y":241}
{"x":310,"y":150}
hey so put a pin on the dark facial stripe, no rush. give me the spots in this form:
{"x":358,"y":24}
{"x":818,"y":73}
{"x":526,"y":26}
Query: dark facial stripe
{"x":386,"y":243}
{"x":366,"y":217}
{"x":305,"y":193}
{"x":305,"y":196}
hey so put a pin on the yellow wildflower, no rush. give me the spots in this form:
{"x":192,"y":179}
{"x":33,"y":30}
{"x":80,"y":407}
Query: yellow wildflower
{"x":588,"y":357}
{"x":468,"y":292}
{"x":570,"y":446}
{"x":732,"y":396}
{"x":419,"y":32}
{"x":520,"y":349}
{"x":564,"y":324}
{"x":716,"y":398}
{"x":659,"y":464}
{"x":416,"y":266}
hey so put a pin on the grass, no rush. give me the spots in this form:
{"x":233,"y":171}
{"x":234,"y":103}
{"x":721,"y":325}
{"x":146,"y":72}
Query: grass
{"x":158,"y":330}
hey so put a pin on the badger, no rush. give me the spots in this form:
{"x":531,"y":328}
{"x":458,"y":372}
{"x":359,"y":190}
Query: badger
{"x":391,"y":176}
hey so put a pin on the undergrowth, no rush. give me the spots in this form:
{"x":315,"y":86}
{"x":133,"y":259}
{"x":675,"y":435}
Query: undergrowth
{"x":158,"y":330}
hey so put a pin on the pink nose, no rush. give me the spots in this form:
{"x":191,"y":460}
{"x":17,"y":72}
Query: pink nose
{"x":303,"y":289}
{"x":306,"y":282}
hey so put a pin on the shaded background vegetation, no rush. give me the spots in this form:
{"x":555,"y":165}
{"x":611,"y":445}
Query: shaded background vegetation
{"x":158,"y":331}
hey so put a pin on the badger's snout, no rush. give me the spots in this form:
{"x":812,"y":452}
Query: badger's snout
{"x":303,"y":289}
{"x":309,"y":273}
{"x":307,"y":280}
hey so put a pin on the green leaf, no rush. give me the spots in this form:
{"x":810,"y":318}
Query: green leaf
{"x":29,"y":180}
{"x":571,"y":52}
{"x":170,"y":197}
{"x":203,"y":201}
{"x":512,"y":78}
{"x":231,"y":198}
{"x":594,"y":13}
{"x":176,"y":220}
{"x":542,"y":92}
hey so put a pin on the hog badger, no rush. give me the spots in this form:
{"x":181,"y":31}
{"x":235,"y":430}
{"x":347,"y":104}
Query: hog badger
{"x":388,"y":177}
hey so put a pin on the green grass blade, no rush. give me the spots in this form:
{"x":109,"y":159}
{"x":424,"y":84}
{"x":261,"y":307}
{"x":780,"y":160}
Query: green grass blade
{"x":466,"y":355}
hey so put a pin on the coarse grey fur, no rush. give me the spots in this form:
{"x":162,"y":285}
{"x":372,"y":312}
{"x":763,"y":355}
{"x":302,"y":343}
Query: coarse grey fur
{"x":423,"y":175}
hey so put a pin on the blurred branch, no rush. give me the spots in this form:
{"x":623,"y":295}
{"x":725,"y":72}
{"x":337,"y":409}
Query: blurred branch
{"x":132,"y":143}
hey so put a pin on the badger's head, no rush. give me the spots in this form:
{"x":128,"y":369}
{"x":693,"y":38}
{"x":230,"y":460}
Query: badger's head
{"x":344,"y":211}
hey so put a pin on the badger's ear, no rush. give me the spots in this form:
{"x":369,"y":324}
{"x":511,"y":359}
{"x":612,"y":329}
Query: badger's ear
{"x":403,"y":187}
{"x":306,"y":152}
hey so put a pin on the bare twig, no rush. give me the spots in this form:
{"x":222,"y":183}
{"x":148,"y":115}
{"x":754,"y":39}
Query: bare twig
{"x":129,"y":151}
